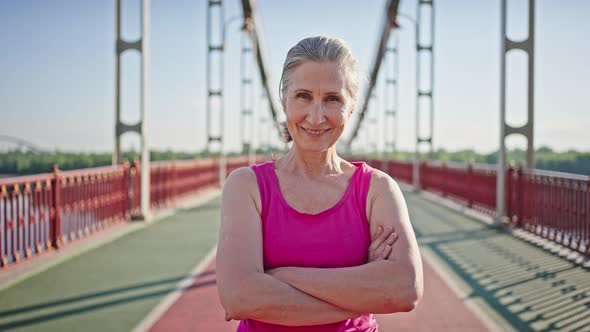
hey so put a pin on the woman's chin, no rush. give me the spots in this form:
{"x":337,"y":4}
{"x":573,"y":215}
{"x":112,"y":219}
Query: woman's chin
{"x":313,"y":146}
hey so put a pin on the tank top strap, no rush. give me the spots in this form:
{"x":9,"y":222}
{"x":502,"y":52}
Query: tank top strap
{"x":362,"y":185}
{"x":264,"y":173}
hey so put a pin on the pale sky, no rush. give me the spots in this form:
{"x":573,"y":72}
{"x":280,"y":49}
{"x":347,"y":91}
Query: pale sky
{"x":57,"y":70}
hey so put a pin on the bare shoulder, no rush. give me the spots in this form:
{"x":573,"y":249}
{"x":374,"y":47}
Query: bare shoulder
{"x":388,"y":209}
{"x":382,"y":184}
{"x":242,"y":180}
{"x":242,"y":183}
{"x":384,"y":196}
{"x":239,"y":247}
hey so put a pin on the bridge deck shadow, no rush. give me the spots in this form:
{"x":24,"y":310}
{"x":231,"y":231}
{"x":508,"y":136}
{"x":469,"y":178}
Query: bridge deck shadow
{"x":532,"y":289}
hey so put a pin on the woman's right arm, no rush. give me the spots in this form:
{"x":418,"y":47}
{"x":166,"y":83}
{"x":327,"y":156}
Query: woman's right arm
{"x":245,"y":291}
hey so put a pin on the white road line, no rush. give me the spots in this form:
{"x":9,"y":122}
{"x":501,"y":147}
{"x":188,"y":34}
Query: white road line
{"x":171,"y":298}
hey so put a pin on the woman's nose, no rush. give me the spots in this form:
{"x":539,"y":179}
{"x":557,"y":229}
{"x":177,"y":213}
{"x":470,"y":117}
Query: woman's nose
{"x":316,"y":114}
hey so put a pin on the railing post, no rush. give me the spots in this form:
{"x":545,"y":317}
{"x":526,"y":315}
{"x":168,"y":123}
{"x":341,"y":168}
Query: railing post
{"x":587,"y":221}
{"x":14,"y":220}
{"x":419,"y":176}
{"x":389,"y":167}
{"x":168,"y":183}
{"x":136,"y":189}
{"x":154,"y":188}
{"x":174,"y":182}
{"x":222,"y":169}
{"x":444,"y":179}
{"x":126,"y":190}
{"x":470,"y":188}
{"x":55,"y":225}
{"x":3,"y":254}
{"x":509,"y":193}
{"x":520,"y":214}
{"x":25,"y":222}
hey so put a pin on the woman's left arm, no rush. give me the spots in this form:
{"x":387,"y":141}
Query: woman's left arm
{"x":383,"y":286}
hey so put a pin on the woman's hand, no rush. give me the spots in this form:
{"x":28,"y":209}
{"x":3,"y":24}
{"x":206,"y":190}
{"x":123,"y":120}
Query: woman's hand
{"x":381,"y":244}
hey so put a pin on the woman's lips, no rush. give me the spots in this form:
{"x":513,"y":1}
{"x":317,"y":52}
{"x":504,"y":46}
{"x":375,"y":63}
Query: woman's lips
{"x":315,"y":133}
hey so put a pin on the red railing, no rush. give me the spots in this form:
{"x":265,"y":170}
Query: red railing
{"x":399,"y":170}
{"x":47,"y":211}
{"x":170,"y":180}
{"x":27,"y":210}
{"x":550,"y":204}
{"x":88,"y":200}
{"x":235,"y":163}
{"x":474,"y":185}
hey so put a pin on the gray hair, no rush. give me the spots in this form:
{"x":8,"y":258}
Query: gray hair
{"x":320,"y":49}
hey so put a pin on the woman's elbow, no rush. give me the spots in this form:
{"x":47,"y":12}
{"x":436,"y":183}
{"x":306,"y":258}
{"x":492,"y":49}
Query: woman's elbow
{"x":405,"y":302}
{"x":235,"y":305}
{"x":412,"y":299}
{"x":239,"y":297}
{"x":236,"y":312}
{"x":408,"y":298}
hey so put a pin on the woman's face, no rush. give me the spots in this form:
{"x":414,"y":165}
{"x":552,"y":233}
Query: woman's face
{"x":317,"y":105}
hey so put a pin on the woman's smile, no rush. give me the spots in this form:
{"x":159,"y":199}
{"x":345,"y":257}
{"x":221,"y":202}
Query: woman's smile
{"x":315,"y":133}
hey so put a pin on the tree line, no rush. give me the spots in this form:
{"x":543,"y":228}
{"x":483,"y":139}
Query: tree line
{"x":570,"y":161}
{"x":18,"y":162}
{"x":26,"y":162}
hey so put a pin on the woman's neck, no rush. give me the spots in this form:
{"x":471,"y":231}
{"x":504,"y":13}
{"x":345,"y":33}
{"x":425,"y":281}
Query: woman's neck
{"x":311,"y":164}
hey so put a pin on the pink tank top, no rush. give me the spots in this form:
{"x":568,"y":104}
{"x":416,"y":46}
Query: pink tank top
{"x":336,"y":237}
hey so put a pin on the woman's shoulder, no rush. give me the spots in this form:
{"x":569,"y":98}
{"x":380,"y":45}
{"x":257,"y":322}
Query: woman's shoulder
{"x":242,"y":182}
{"x":240,"y":178}
{"x":245,"y":178}
{"x":381,"y":183}
{"x":377,"y":175}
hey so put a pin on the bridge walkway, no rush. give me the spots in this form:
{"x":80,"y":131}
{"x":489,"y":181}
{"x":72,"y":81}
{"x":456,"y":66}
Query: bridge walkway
{"x":161,"y":277}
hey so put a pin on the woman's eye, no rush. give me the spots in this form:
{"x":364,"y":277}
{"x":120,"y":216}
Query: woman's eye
{"x":304,"y":96}
{"x":333,"y":98}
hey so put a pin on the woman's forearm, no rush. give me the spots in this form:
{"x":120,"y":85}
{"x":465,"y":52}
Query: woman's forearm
{"x":265,"y":298}
{"x":377,"y":287}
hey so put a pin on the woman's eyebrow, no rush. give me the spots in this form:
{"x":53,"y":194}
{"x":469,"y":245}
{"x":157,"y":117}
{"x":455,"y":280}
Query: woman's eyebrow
{"x":337,"y":93}
{"x":302,"y":90}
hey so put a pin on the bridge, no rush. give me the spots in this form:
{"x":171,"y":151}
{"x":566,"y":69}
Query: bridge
{"x":22,"y":144}
{"x":131,"y":247}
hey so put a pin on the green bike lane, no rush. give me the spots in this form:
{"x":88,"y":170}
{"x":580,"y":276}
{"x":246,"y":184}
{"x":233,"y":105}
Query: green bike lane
{"x":114,"y":286}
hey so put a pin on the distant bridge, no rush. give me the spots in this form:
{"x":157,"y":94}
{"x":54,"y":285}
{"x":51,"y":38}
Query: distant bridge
{"x":21,"y":143}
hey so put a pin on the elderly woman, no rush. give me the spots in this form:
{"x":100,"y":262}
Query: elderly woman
{"x":306,"y":240}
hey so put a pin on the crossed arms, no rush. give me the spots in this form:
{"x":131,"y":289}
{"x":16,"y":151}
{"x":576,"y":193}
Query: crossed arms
{"x":390,"y":282}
